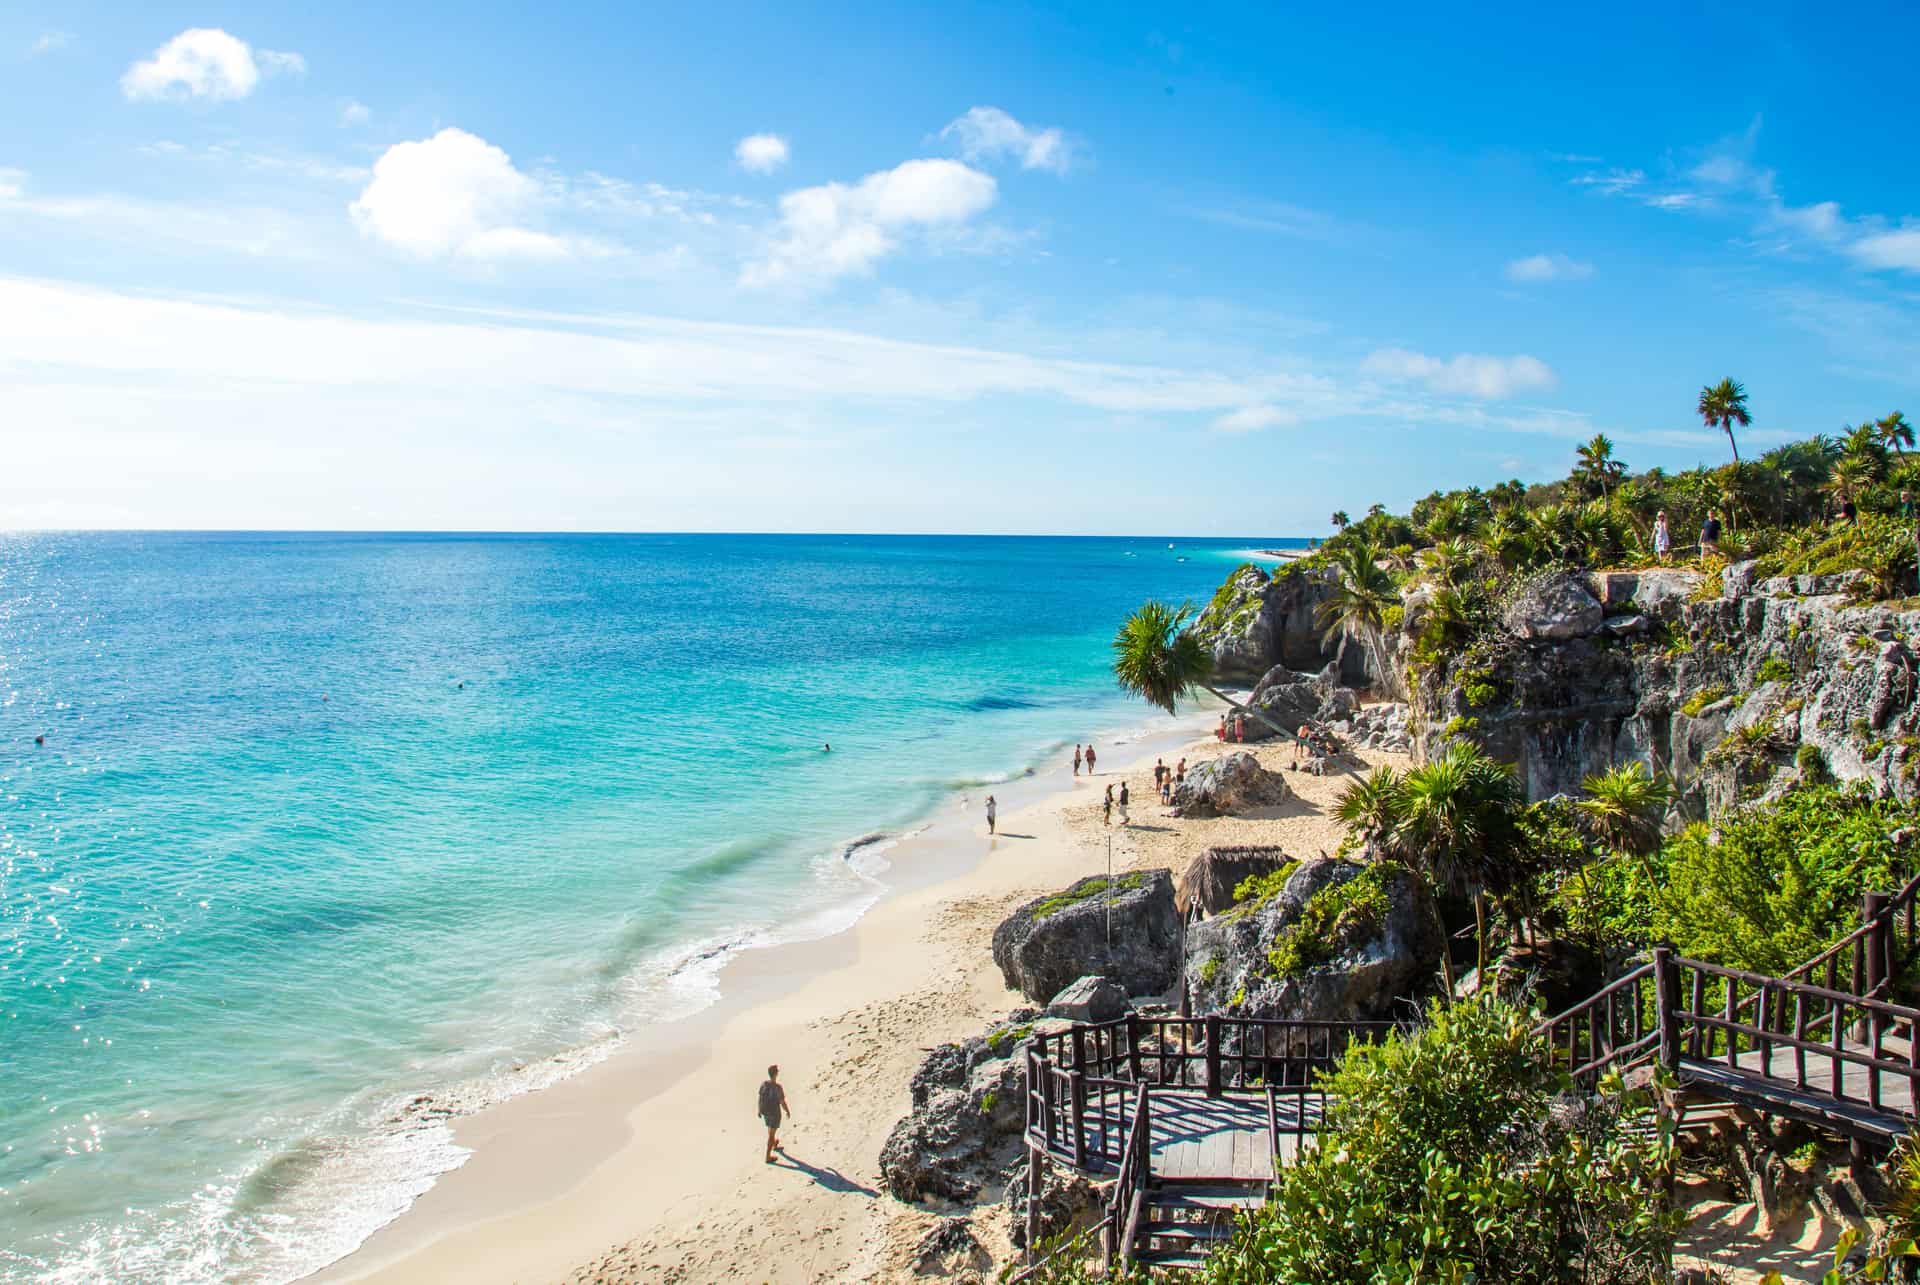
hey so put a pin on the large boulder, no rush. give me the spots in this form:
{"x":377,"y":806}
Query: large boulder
{"x":1124,"y":928}
{"x":1341,"y":941}
{"x":1654,"y":591}
{"x":968,"y":1117}
{"x":1556,"y":606}
{"x":1228,"y":786}
{"x":1210,"y":878}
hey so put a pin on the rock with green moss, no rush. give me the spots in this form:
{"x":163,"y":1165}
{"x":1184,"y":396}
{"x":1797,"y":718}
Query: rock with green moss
{"x":1125,"y":929}
{"x":1342,"y":940}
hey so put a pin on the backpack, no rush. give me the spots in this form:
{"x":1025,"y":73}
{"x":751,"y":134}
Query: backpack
{"x":769,"y":1099}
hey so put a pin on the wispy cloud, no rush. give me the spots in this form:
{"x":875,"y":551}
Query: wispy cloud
{"x":837,"y":230}
{"x":354,"y":113}
{"x":1251,"y":419}
{"x":986,"y":134}
{"x":1539,"y":268}
{"x":1474,"y":375}
{"x":1276,"y":217}
{"x":48,"y":41}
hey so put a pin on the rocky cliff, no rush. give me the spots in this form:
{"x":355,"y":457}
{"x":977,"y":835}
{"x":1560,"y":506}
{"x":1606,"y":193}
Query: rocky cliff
{"x":1256,"y":622}
{"x":1732,"y":687}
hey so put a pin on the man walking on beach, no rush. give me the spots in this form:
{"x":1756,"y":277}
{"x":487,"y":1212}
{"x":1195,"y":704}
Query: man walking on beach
{"x":1089,"y":758}
{"x":1123,"y":803}
{"x":1076,"y":758}
{"x":993,"y":812}
{"x":773,"y":1107}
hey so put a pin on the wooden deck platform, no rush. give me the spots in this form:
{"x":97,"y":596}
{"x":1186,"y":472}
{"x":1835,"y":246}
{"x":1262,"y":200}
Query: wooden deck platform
{"x":1225,"y":1138}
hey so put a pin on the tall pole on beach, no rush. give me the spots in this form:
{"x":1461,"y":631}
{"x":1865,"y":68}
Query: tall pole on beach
{"x":1109,"y":899}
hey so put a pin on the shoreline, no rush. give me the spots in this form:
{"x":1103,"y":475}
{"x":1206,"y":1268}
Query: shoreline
{"x":525,"y":1154}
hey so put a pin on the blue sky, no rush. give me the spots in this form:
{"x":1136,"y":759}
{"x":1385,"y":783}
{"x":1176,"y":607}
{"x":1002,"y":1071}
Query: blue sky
{"x":953,"y":268}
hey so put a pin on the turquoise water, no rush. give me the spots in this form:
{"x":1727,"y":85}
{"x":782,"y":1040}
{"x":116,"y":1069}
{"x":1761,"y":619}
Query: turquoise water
{"x":331,"y":835}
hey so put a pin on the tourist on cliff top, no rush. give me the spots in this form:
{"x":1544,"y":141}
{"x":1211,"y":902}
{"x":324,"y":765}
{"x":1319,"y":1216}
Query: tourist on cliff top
{"x":1848,"y":513}
{"x":1710,"y":535}
{"x":1662,"y":537}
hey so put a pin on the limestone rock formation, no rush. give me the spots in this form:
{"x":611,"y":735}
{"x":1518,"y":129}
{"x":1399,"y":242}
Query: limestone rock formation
{"x":1556,"y":606}
{"x":1256,"y":622}
{"x":1210,"y":878}
{"x":968,"y":1116}
{"x":1228,"y":786}
{"x":1719,"y":691}
{"x":1124,"y":929}
{"x":1320,"y":948}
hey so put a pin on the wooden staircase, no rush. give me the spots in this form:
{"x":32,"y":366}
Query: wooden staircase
{"x":1183,"y":1218}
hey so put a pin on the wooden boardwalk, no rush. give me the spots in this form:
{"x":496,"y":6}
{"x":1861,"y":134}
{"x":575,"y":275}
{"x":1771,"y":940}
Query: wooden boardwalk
{"x":1769,"y":1083}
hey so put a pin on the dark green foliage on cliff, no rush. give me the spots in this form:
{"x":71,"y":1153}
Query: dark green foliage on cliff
{"x":1332,"y":918}
{"x":1443,"y":1159}
{"x":1764,"y":889}
{"x":1879,"y":545}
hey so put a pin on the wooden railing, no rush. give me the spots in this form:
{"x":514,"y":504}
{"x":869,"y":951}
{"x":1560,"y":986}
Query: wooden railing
{"x":1082,"y":1081}
{"x":1749,"y":1037}
{"x":1130,"y":1188}
{"x":1868,"y":960}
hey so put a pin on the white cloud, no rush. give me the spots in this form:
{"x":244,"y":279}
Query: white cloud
{"x":1548,"y":267}
{"x":205,"y":62}
{"x":13,"y":184}
{"x":838,"y":229}
{"x":1896,"y":249}
{"x":354,"y":112}
{"x":453,"y":194}
{"x":1675,"y":200}
{"x":48,"y":42}
{"x":987,"y":133}
{"x":1466,"y":375}
{"x":1613,"y":182}
{"x":1821,"y":220}
{"x":761,"y":153}
{"x":1250,"y":419}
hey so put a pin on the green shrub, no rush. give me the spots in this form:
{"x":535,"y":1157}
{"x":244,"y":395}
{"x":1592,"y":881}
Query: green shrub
{"x":1443,"y":1161}
{"x":1813,"y":765}
{"x":1701,"y":699}
{"x":1880,"y":545}
{"x":1256,"y":891}
{"x":1331,"y":919}
{"x":1090,"y":888}
{"x":1774,"y":670}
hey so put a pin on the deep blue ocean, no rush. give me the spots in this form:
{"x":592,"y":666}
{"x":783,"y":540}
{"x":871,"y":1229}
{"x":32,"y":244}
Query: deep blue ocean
{"x":326,"y":823}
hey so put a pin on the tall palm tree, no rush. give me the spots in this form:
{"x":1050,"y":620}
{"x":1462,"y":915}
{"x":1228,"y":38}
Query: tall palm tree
{"x":1723,"y":405}
{"x":1340,"y":519}
{"x":1357,"y":607}
{"x":1895,"y":431}
{"x":1459,"y":825}
{"x":1865,"y":445}
{"x":1597,"y":464}
{"x":1156,"y":659}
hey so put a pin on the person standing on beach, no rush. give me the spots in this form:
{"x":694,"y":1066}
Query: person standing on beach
{"x":993,"y":813}
{"x":1076,"y":758}
{"x":1089,"y":758}
{"x":1123,"y":803}
{"x":773,"y":1108}
{"x":1106,"y":816}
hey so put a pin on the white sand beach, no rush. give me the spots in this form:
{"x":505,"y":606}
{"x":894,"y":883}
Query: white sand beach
{"x":648,"y":1166}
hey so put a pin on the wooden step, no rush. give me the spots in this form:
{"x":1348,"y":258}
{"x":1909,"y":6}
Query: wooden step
{"x":1170,"y":1258}
{"x":1209,"y":1199}
{"x":1191,"y":1233}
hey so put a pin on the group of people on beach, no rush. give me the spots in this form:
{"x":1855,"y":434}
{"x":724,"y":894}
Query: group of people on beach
{"x":1166,"y":778}
{"x":1083,"y":754}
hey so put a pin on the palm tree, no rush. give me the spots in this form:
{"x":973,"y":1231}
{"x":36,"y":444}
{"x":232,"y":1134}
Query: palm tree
{"x":1459,"y":825}
{"x":1598,"y":465}
{"x":1849,"y":476}
{"x":1340,"y":519}
{"x":1156,"y":659}
{"x":1448,"y":562}
{"x":1357,"y":607}
{"x":1894,"y":431}
{"x":1864,"y":444}
{"x":1723,"y":405}
{"x":1623,"y":809}
{"x":1375,"y":510}
{"x":1370,"y":807}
